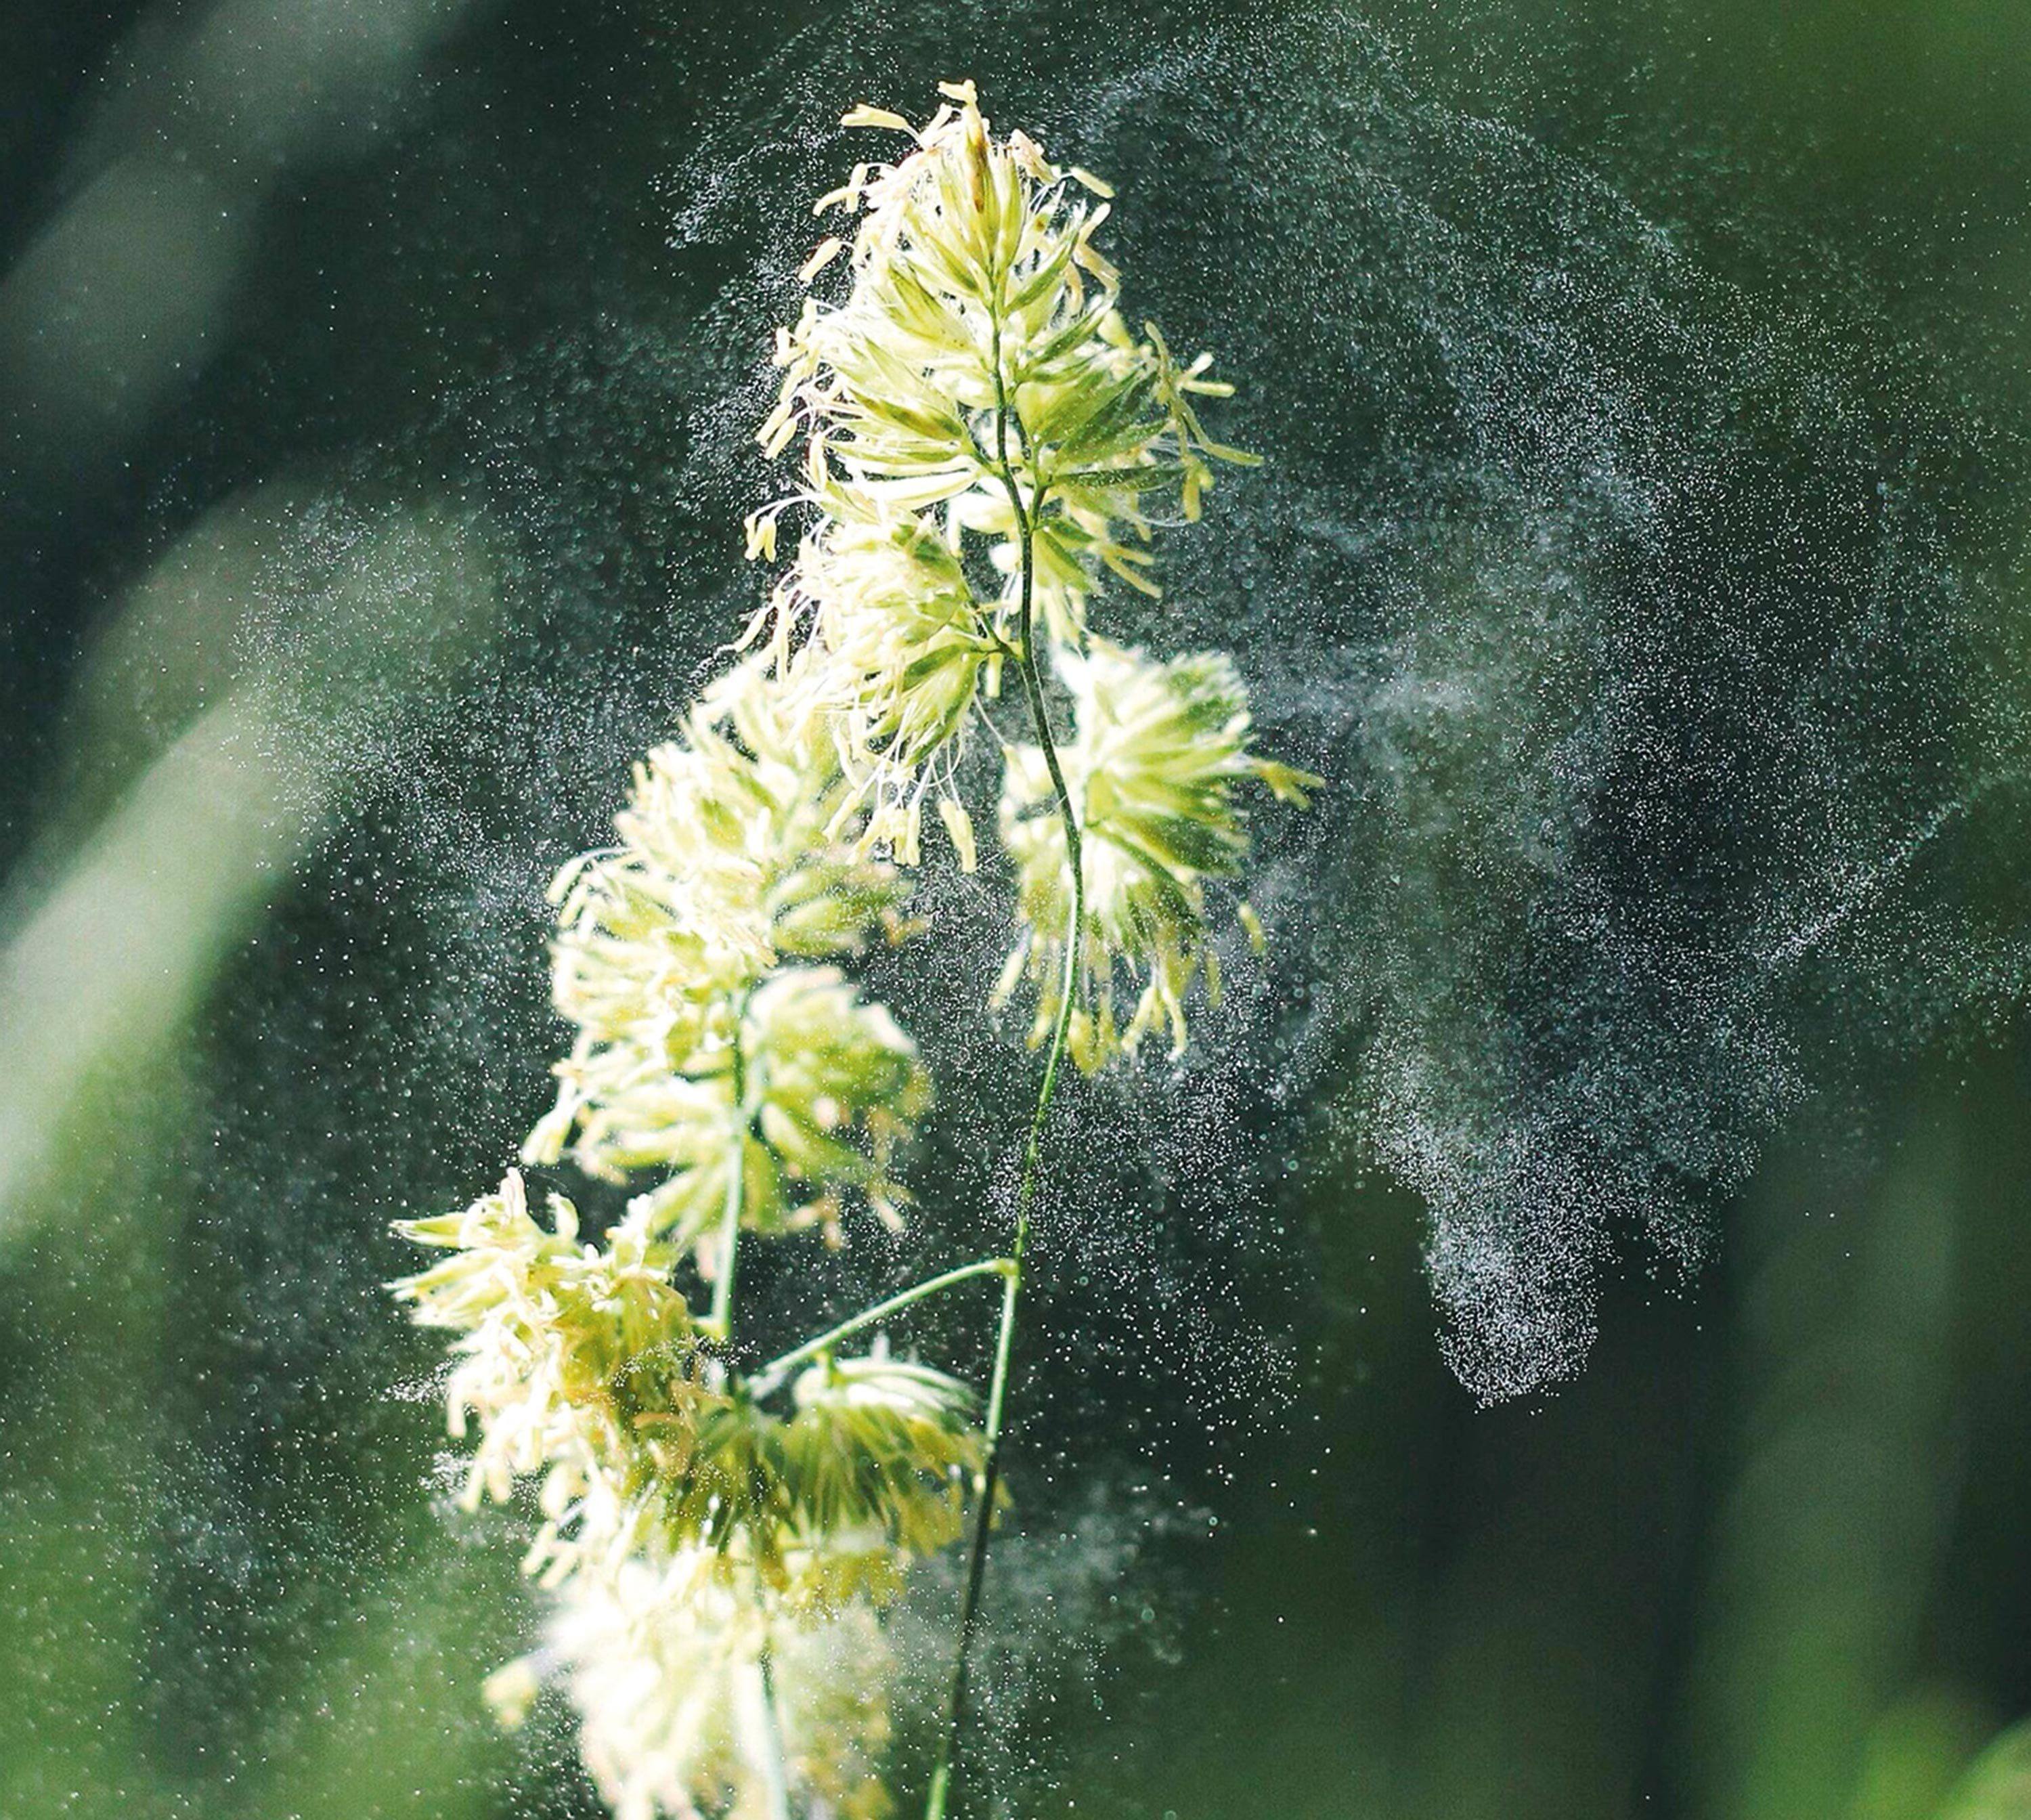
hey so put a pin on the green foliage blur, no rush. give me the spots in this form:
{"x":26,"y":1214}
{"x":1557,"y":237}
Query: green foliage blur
{"x":1764,"y":1559}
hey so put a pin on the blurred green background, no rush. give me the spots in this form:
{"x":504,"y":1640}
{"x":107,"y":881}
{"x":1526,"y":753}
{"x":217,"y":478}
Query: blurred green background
{"x":376,"y":377}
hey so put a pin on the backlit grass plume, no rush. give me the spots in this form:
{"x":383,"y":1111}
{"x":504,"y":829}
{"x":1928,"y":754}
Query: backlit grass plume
{"x":981,"y":441}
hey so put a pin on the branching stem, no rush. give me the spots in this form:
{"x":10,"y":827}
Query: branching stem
{"x":771,"y":1375}
{"x":988,"y":1481}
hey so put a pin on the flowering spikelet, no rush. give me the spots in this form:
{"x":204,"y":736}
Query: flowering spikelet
{"x":665,"y":1664}
{"x":977,"y":360}
{"x":1152,"y":767}
{"x":696,"y":1045}
{"x":726,"y":858}
{"x":564,"y":1346}
{"x":885,"y":1444}
{"x":581,"y":1362}
{"x":801,"y":1083}
{"x":874,"y":1448}
{"x":902,"y":651}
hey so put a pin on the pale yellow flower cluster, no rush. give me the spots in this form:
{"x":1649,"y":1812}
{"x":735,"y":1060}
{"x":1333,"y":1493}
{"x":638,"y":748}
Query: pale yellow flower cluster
{"x":698,"y":1541}
{"x":977,"y":359}
{"x":703,"y":1051}
{"x":1157,"y":749}
{"x":684,"y":1679}
{"x":984,"y":440}
{"x":565,"y":1348}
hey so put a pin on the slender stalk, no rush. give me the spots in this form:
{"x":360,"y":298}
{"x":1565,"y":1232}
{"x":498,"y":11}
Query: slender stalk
{"x":775,"y":1774}
{"x":988,"y":1479}
{"x":769,"y":1759}
{"x":776,"y":1369}
{"x":721,"y":1319}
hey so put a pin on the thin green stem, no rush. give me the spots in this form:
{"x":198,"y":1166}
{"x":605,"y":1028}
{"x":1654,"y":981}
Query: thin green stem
{"x":988,"y":1482}
{"x":771,"y":1374}
{"x":774,"y":1763}
{"x":770,"y":1759}
{"x":720,"y":1320}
